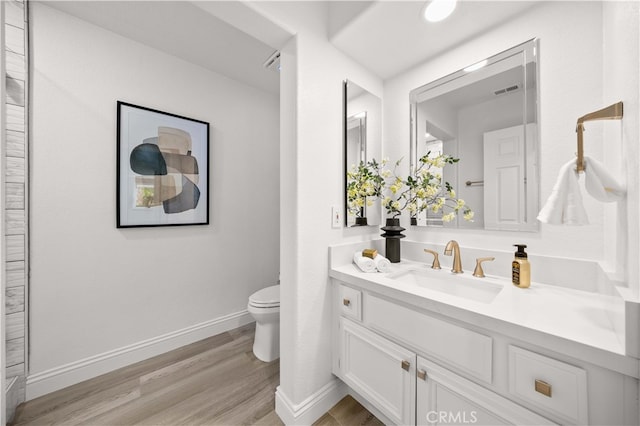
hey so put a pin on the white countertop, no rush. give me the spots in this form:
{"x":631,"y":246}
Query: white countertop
{"x":574,"y":322}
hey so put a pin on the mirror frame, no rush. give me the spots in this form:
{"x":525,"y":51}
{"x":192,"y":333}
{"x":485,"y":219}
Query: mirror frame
{"x":530,"y":49}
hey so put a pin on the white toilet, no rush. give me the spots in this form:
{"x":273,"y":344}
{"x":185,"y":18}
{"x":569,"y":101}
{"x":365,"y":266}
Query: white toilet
{"x":264,"y":306}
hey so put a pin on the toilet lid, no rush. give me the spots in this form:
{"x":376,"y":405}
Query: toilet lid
{"x":266,"y":298}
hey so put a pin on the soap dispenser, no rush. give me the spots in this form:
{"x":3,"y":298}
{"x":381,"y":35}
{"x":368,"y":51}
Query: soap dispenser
{"x":520,"y":268}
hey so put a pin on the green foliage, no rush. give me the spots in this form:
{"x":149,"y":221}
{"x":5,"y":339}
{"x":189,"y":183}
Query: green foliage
{"x":364,"y":184}
{"x":423,"y":189}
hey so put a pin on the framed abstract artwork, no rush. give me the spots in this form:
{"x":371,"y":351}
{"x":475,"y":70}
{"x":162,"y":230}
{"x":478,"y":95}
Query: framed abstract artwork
{"x":162,"y":168}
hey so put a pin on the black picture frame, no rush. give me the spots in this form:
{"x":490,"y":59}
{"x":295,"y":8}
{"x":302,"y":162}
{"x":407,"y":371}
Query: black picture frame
{"x":162,"y":172}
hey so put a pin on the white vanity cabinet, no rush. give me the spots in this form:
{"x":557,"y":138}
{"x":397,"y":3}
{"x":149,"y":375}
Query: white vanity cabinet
{"x":379,"y":370}
{"x":418,"y":367}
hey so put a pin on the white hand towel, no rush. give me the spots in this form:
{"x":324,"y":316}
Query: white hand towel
{"x":382,"y":263}
{"x":600,"y":184}
{"x":564,"y":205}
{"x":366,"y":264}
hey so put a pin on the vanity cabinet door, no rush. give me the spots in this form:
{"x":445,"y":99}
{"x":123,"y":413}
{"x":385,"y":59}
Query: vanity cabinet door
{"x":444,"y":398}
{"x":379,"y":370}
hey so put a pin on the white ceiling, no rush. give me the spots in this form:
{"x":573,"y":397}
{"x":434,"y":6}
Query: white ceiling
{"x":184,"y":30}
{"x":390,"y":37}
{"x":386,"y":37}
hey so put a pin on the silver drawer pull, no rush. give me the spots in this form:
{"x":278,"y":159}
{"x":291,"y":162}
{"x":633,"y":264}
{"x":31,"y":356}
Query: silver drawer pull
{"x":543,"y":388}
{"x":346,"y":302}
{"x":406,"y":365}
{"x":422,"y":375}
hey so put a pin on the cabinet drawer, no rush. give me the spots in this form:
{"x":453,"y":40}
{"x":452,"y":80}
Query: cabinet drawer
{"x":551,"y":385}
{"x":350,"y":301}
{"x":450,"y":344}
{"x":444,"y":397}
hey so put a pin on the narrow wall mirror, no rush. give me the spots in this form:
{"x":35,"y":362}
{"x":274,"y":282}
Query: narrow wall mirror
{"x":487,"y":116}
{"x":362,"y":144}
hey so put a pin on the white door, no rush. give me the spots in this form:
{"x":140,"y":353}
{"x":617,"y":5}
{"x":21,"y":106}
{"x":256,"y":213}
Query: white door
{"x":379,"y":370}
{"x":444,"y":398}
{"x":510,"y":181}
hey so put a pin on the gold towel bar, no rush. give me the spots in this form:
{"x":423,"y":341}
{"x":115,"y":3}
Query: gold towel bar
{"x":612,"y":112}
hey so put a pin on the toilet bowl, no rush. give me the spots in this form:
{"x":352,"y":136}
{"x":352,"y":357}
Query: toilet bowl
{"x":264,"y":306}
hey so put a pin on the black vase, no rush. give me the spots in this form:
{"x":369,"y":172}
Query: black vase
{"x":392,"y":234}
{"x":361,"y":221}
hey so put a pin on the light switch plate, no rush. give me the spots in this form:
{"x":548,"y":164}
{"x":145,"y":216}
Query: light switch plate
{"x":336,"y":217}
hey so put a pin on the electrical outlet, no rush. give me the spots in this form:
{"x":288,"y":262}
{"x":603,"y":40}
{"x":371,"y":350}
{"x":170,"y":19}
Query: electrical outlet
{"x":336,"y":217}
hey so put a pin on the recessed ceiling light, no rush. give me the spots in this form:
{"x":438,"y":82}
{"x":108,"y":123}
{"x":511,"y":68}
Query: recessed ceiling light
{"x":437,"y":10}
{"x":476,"y":66}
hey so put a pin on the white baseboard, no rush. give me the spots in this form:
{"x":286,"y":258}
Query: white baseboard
{"x":312,"y":408}
{"x":42,"y":383}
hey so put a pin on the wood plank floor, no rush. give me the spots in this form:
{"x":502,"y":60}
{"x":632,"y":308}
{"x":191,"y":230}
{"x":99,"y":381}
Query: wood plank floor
{"x":216,"y":381}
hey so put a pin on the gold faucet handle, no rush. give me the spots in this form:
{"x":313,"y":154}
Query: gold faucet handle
{"x":478,"y":272}
{"x":436,"y":262}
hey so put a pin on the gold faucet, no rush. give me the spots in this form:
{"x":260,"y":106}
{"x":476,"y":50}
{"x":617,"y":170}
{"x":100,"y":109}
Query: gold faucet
{"x":478,"y":272}
{"x":457,"y":263}
{"x":436,"y":262}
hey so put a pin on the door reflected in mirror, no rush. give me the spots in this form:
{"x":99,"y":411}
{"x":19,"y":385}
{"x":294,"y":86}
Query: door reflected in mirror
{"x":362,"y":144}
{"x":487,"y":117}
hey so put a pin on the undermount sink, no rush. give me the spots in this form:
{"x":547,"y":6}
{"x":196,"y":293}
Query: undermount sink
{"x":466,"y":287}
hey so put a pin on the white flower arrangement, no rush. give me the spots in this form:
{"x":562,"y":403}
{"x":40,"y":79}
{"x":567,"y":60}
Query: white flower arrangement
{"x":422,"y":190}
{"x":426,"y":189}
{"x":364,"y":184}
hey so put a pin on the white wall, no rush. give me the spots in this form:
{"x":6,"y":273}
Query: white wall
{"x":95,"y":288}
{"x":311,"y":181}
{"x":571,"y":57}
{"x":621,"y":83}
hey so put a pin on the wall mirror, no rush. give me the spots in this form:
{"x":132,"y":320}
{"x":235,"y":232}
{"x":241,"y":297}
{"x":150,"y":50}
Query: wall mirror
{"x":487,"y":116}
{"x":362,"y":144}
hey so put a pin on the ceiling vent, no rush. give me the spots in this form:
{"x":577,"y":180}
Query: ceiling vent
{"x":506,"y":90}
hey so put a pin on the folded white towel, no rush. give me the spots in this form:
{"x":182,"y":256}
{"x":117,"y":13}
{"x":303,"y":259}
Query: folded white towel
{"x":600,"y":184}
{"x":366,"y":264}
{"x":382,"y":263}
{"x":564,"y":205}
